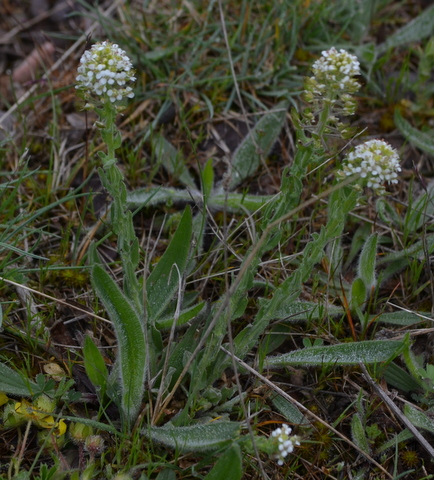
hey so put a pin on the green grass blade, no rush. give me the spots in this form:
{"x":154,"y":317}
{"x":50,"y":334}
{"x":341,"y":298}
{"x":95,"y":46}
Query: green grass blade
{"x":131,"y":341}
{"x":163,"y":282}
{"x":194,"y":438}
{"x":342,"y":354}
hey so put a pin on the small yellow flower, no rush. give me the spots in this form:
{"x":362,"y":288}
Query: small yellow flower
{"x":40,"y":414}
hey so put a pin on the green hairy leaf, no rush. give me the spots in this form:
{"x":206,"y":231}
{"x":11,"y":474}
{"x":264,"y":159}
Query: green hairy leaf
{"x":414,"y":31}
{"x":207,"y":179}
{"x":358,"y":432}
{"x":289,"y":411}
{"x":257,"y":144}
{"x":422,"y":140}
{"x":366,"y":268}
{"x":233,"y":202}
{"x":131,"y":340}
{"x":195,"y":438}
{"x":358,"y":294}
{"x":228,"y":466}
{"x":13,"y":383}
{"x":418,"y":418}
{"x":172,"y":160}
{"x":163,"y":282}
{"x":342,"y":354}
{"x":401,"y":318}
{"x":94,"y":365}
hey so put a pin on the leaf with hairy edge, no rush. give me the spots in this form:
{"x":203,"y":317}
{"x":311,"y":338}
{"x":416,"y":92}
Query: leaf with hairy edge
{"x":366,"y":268}
{"x":172,"y":161}
{"x":303,"y":311}
{"x":289,"y":410}
{"x":207,"y":179}
{"x":131,"y":341}
{"x":185,"y":316}
{"x":162,"y":284}
{"x":165,"y":474}
{"x":358,"y":432}
{"x":233,"y":202}
{"x":418,"y":418}
{"x":94,"y":365}
{"x":420,"y":27}
{"x":261,"y":138}
{"x":146,"y":197}
{"x":228,"y":466}
{"x":194,"y":438}
{"x":401,"y":318}
{"x":343,"y":354}
{"x":14,"y":383}
{"x":422,"y":140}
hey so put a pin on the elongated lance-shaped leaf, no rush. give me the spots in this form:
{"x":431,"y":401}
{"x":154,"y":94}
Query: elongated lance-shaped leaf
{"x":229,"y":465}
{"x":420,"y":210}
{"x":414,"y":31}
{"x":194,"y":438}
{"x":417,"y":250}
{"x":366,"y":268}
{"x":15,"y":384}
{"x":422,"y":140}
{"x":358,"y":432}
{"x":343,"y":354}
{"x":172,"y":160}
{"x":258,"y":143}
{"x":233,"y":202}
{"x":94,"y":365}
{"x":418,"y":419}
{"x":163,"y":282}
{"x":130,"y":335}
{"x":207,"y":179}
{"x":289,"y":410}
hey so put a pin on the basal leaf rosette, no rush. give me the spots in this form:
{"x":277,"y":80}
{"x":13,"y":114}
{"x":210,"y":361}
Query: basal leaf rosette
{"x":104,"y":73}
{"x":376,"y":162}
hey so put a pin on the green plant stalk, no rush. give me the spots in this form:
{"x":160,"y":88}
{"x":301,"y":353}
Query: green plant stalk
{"x":121,"y":215}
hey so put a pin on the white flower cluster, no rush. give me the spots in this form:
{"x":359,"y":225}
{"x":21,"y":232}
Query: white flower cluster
{"x":104,"y":71}
{"x":285,"y":442}
{"x":376,"y":161}
{"x":336,"y":69}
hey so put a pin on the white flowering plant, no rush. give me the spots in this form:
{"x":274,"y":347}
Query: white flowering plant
{"x":329,"y":93}
{"x":146,"y":369}
{"x":248,"y":241}
{"x":375,"y":162}
{"x":104,"y":74}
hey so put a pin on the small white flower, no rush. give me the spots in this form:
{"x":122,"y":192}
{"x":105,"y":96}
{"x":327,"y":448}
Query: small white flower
{"x":376,"y":161}
{"x":335,"y":69}
{"x":285,"y":443}
{"x":105,"y":64}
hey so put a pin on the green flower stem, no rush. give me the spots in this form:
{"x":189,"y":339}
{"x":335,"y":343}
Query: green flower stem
{"x":121,"y":216}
